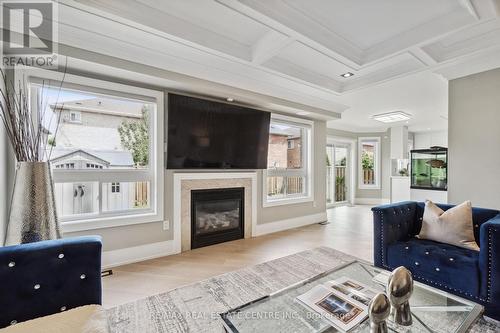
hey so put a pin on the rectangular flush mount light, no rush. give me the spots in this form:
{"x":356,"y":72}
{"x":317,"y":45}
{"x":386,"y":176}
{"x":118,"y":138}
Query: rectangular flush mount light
{"x":392,"y":117}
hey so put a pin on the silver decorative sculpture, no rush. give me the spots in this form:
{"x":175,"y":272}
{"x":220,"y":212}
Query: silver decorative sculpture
{"x":399,"y":289}
{"x":378,"y":311}
{"x":33,"y":211}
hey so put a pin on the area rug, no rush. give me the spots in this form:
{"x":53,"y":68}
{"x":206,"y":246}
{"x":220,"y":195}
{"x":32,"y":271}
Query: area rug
{"x":196,"y":307}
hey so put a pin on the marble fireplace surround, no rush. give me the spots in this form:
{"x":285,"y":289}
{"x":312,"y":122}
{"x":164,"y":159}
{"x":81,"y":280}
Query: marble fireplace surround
{"x":184,"y":183}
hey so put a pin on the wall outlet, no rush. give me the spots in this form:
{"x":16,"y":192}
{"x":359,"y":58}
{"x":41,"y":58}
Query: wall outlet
{"x":314,"y":204}
{"x":166,"y":225}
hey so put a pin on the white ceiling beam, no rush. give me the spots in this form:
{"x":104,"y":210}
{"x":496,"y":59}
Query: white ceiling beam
{"x":467,"y":4}
{"x":485,"y":9}
{"x":288,"y":68}
{"x":278,"y":16}
{"x":423,"y":56}
{"x":269,"y":46}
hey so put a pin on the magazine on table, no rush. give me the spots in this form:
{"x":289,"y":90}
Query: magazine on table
{"x":343,"y":302}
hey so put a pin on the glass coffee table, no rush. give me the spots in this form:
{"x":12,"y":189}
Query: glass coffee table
{"x":433,"y":310}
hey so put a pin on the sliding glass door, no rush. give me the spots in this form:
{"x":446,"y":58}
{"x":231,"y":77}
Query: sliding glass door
{"x":337,"y":173}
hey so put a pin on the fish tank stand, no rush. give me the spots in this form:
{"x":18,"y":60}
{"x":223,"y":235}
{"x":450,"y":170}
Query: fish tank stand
{"x":429,"y":169}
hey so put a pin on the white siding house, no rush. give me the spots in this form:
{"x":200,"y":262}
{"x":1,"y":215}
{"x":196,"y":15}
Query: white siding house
{"x":88,"y":138}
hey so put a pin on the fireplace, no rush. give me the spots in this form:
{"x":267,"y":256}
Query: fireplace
{"x":217,"y":215}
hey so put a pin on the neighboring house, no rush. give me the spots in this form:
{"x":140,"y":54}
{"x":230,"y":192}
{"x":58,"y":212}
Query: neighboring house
{"x":284,"y":151}
{"x":88,"y":138}
{"x":294,"y":152}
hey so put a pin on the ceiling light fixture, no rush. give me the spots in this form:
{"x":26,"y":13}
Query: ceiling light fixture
{"x":229,"y":99}
{"x":392,"y":117}
{"x":346,"y":75}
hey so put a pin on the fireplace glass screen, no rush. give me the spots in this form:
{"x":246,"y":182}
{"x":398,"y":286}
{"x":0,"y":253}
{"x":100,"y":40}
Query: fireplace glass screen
{"x":217,"y":215}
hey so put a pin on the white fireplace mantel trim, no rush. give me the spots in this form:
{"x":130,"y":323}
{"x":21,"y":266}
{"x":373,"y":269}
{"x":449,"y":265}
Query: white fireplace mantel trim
{"x":179,"y":177}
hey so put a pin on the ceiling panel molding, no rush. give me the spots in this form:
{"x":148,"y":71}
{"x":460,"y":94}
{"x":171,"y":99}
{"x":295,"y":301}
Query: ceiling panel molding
{"x":486,"y":9}
{"x":467,"y":4}
{"x":475,"y":39}
{"x":403,"y":64}
{"x":290,"y":49}
{"x":269,"y":46}
{"x":304,"y":26}
{"x":131,"y":44}
{"x":293,"y":70}
{"x":174,"y":27}
{"x":470,"y":64}
{"x":423,"y":56}
{"x":428,"y":31}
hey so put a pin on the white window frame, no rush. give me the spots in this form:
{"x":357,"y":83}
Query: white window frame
{"x":154,"y":174}
{"x":376,"y":163}
{"x":78,"y":117}
{"x":307,"y":161}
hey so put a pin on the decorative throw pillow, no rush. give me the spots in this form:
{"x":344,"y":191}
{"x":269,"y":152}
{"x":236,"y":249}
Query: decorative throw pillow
{"x":453,"y":226}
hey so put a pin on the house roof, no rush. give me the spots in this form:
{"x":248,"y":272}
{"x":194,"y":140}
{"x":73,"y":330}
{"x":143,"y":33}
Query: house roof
{"x":118,"y":107}
{"x":111,"y":157}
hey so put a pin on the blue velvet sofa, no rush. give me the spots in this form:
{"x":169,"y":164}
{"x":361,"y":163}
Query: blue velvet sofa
{"x":47,"y":277}
{"x":470,"y":274}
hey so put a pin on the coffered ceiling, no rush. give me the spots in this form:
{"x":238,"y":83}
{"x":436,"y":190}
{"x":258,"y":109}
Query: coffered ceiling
{"x":295,"y":50}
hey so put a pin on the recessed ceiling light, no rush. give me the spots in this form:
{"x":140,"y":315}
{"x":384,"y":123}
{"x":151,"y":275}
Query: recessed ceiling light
{"x":392,"y":117}
{"x":229,"y":99}
{"x":303,"y":113}
{"x":346,"y":75}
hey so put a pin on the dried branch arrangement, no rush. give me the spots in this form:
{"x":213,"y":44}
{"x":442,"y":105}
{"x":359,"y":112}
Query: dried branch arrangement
{"x":24,"y":126}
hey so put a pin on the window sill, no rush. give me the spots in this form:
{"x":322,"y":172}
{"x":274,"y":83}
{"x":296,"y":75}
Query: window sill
{"x":369,"y":187}
{"x":109,"y":222}
{"x":287,"y":201}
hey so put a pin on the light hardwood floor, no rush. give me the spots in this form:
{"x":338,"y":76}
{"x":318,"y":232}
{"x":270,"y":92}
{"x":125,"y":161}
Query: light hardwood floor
{"x":349,"y":230}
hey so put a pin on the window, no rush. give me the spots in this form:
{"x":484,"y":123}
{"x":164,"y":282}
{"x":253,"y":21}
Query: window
{"x":369,"y":163}
{"x":93,"y":166}
{"x":75,"y":117}
{"x":65,"y":166}
{"x":288,"y":176}
{"x":117,"y":150}
{"x":115,"y":187}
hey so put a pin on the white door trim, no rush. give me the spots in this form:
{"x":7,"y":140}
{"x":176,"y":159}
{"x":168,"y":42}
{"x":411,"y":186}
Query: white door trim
{"x":330,"y":139}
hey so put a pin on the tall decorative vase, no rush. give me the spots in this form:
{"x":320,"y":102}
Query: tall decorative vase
{"x":33,"y":214}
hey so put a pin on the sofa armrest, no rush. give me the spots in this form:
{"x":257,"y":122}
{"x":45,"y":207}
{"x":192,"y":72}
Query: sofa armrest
{"x":489,"y":261}
{"x":42,"y":278}
{"x":392,"y":223}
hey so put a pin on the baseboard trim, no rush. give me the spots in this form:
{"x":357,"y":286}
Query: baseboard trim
{"x":268,"y":228}
{"x":134,"y":254}
{"x":371,"y":201}
{"x":139,"y":253}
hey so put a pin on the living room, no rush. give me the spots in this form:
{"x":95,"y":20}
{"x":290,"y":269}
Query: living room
{"x":211,"y":166}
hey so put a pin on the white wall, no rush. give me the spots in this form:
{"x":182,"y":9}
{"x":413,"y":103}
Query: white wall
{"x":474,"y":139}
{"x":425,"y":140}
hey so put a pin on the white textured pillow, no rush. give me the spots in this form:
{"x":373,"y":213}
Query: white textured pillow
{"x":453,"y":226}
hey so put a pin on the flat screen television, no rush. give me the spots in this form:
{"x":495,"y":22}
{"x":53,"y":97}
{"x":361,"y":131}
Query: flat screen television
{"x":204,"y":134}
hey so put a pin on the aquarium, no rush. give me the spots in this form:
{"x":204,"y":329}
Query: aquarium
{"x":429,"y":169}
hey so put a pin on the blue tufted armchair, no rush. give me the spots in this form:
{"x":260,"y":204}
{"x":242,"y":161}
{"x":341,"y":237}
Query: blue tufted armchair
{"x":467,"y":273}
{"x":47,"y":277}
